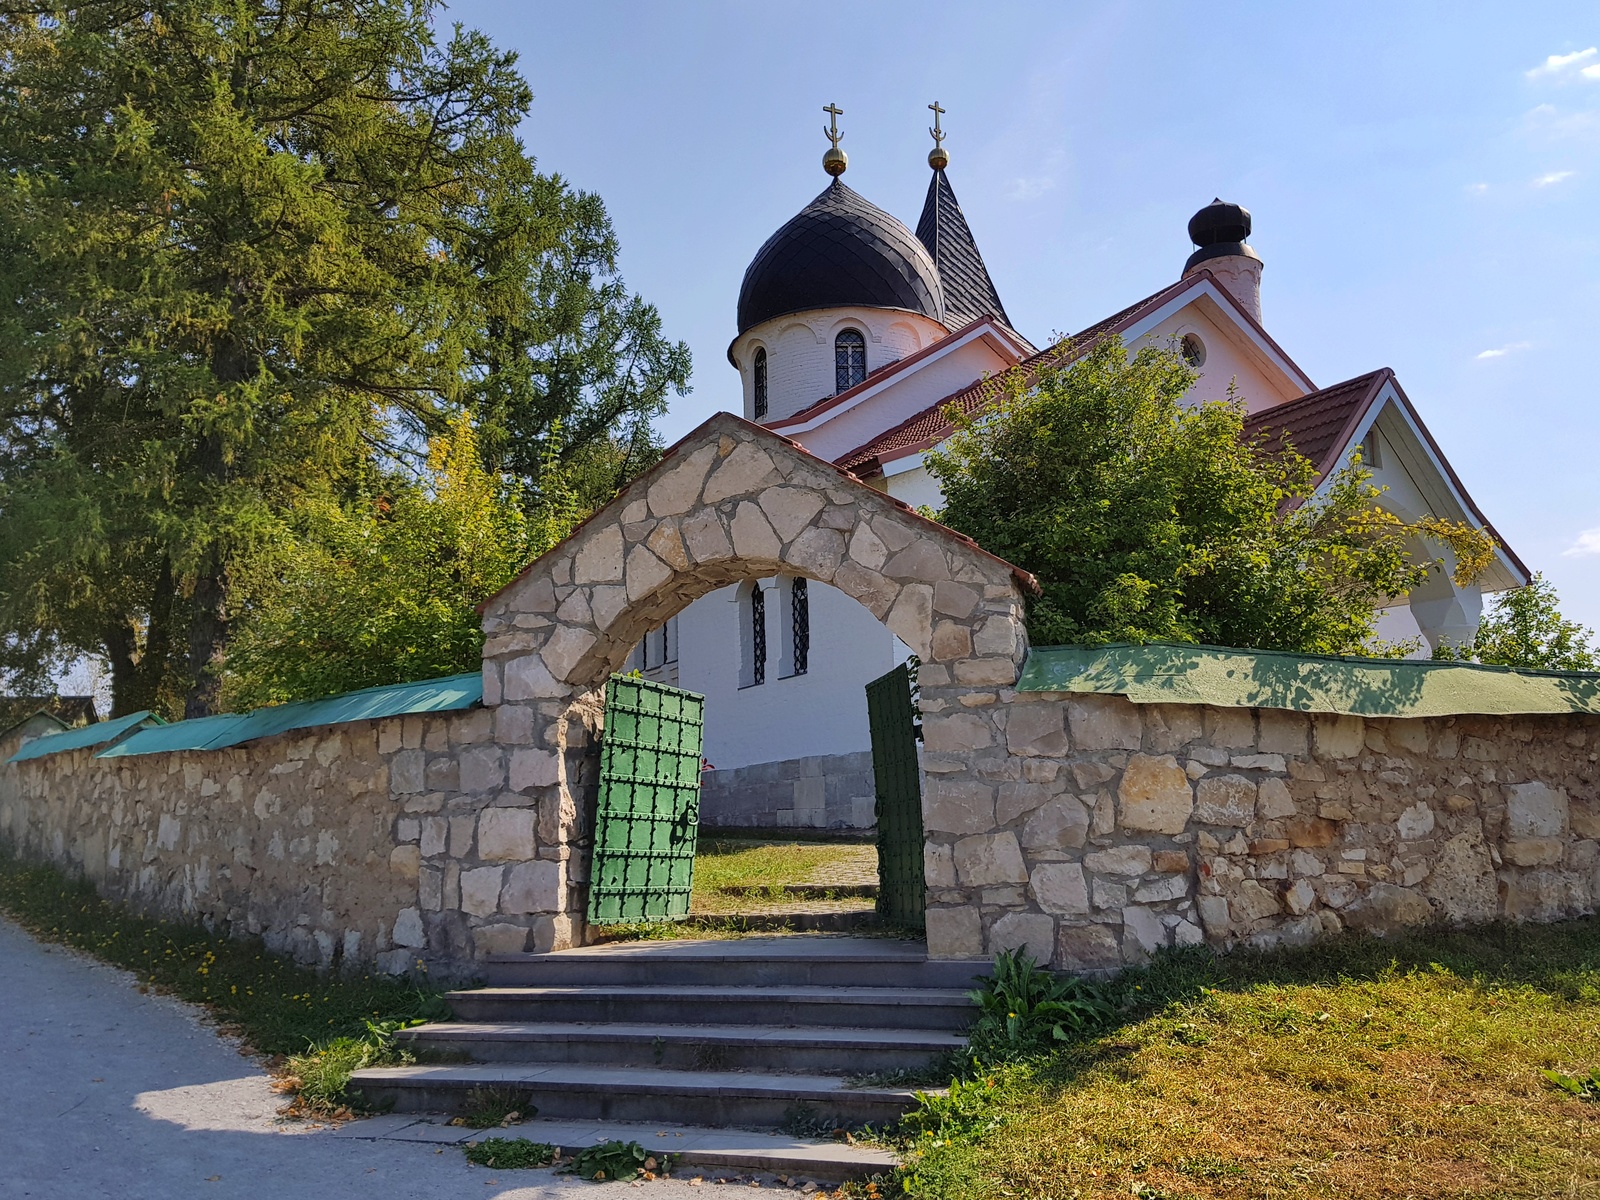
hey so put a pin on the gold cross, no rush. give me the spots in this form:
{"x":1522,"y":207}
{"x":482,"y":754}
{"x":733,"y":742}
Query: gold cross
{"x":938,"y":134}
{"x":833,"y":134}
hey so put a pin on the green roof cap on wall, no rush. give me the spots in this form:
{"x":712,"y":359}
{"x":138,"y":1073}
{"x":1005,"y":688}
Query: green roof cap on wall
{"x":1174,"y":673}
{"x":97,"y":734}
{"x":369,"y":704}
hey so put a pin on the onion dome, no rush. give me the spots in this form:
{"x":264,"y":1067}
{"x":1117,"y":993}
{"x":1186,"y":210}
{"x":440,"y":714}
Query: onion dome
{"x":840,"y":250}
{"x":1219,"y":229}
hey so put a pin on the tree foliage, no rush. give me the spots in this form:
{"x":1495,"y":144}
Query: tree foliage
{"x":251,"y":254}
{"x":1524,"y":628}
{"x":1148,"y":519}
{"x":383,"y":589}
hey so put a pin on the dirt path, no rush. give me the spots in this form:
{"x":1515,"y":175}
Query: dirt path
{"x":117,"y":1095}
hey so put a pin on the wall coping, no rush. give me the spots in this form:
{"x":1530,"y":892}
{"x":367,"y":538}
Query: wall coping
{"x":1176,"y":673}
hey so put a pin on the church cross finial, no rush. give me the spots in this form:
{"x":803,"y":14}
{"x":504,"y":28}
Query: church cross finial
{"x":938,"y":157}
{"x":832,"y":133}
{"x":833,"y":159}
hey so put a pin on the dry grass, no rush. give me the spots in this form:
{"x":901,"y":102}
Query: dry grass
{"x":1401,"y":1070}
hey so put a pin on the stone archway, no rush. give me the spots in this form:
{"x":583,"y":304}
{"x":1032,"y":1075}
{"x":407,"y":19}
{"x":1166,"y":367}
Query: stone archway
{"x":728,"y":503}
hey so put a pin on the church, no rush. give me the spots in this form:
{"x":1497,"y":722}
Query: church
{"x":854,"y":336}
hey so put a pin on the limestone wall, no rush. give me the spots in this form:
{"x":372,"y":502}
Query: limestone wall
{"x":1098,"y":831}
{"x":374,"y":843}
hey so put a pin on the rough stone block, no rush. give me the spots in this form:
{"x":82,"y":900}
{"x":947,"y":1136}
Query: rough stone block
{"x":406,"y":773}
{"x":506,"y":834}
{"x":1281,"y":732}
{"x":945,"y":733}
{"x":405,"y":861}
{"x":527,"y":678}
{"x":500,"y":939}
{"x":599,"y":558}
{"x":1034,"y":933}
{"x":1120,"y":860}
{"x":1168,"y":887}
{"x":1310,"y":832}
{"x":1225,"y":800}
{"x":1143,"y":933}
{"x":1386,"y":907}
{"x":1300,"y":898}
{"x":957,"y":806}
{"x":1104,"y":723}
{"x":1273,"y":800}
{"x":1037,"y":730}
{"x":1339,"y":736}
{"x":1170,"y":862}
{"x":408,"y":930}
{"x":987,"y":859}
{"x":954,"y":933}
{"x":1462,"y":882}
{"x":533,"y":768}
{"x":1154,"y":795}
{"x":790,"y":509}
{"x":938,"y":865}
{"x":1533,"y":852}
{"x":1061,"y":824}
{"x":1536,"y":810}
{"x":1232,"y":728}
{"x":1060,"y":888}
{"x":748,"y":468}
{"x":480,"y":890}
{"x":1253,"y":901}
{"x":1087,"y":948}
{"x":1415,"y":822}
{"x":985,"y":672}
{"x":482,"y":769}
{"x":532,"y":887}
{"x":676,"y":490}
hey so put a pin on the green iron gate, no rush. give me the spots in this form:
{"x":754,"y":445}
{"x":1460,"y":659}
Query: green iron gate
{"x":898,"y":776}
{"x":649,"y":811}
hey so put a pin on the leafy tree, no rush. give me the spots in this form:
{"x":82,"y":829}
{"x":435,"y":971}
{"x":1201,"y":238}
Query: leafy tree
{"x":1525,"y":628}
{"x":248,"y":252}
{"x":383,"y":589}
{"x":1148,"y":519}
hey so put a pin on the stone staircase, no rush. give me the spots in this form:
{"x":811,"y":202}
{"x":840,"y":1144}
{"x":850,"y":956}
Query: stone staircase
{"x":746,"y":1032}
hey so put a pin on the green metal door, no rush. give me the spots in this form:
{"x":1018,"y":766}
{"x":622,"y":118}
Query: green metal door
{"x":649,"y":812}
{"x":898,"y":776}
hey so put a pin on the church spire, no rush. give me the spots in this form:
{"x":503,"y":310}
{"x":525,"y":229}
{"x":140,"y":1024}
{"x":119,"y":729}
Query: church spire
{"x":969,"y":293}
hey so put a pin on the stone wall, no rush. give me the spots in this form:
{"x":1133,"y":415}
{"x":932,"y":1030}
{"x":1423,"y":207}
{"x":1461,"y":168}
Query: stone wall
{"x":376,"y":842}
{"x":1099,"y":831}
{"x":821,"y":791}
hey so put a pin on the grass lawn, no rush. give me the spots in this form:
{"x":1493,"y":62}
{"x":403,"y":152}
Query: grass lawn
{"x":741,"y":875}
{"x":1401,"y":1068}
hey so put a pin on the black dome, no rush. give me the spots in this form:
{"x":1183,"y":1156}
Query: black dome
{"x":1219,"y":229}
{"x":840,"y":249}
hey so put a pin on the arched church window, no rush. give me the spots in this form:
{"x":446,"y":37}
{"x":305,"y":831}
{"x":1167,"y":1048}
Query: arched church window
{"x":761,"y":384}
{"x":849,"y":359}
{"x":799,"y":626}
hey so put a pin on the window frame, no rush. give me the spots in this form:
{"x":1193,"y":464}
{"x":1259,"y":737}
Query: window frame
{"x":845,"y":343}
{"x":759,"y":404}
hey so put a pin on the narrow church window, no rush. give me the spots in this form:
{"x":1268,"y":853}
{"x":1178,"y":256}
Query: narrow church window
{"x":849,"y":360}
{"x":761,"y":384}
{"x":799,"y":626}
{"x":758,"y":635}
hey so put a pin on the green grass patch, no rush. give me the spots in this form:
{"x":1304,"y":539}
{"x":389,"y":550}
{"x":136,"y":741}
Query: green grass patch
{"x":1408,"y":1067}
{"x":320,"y":1027}
{"x":730,"y":873}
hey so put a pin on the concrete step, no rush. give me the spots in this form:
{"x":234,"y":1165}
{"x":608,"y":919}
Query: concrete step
{"x":694,"y":1150}
{"x":848,"y":1007}
{"x":750,"y":961}
{"x":688,"y":1047}
{"x":590,"y":1092}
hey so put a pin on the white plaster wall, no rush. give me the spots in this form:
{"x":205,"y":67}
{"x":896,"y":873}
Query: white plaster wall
{"x":800,"y":352}
{"x":823,"y":711}
{"x":1399,"y":624}
{"x":914,"y":486}
{"x":1226,"y":360}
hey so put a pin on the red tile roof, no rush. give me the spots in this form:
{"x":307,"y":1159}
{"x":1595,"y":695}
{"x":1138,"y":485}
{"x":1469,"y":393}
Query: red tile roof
{"x":1319,"y":425}
{"x":931,"y":425}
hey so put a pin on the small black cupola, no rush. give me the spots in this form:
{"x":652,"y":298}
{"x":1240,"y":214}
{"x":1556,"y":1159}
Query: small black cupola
{"x":1219,"y":229}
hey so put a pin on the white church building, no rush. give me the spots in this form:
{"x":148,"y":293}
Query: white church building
{"x":854,"y":336}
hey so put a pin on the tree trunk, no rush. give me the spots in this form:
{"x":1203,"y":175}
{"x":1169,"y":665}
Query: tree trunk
{"x":138,"y":671}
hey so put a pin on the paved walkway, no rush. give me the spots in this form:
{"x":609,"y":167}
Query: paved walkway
{"x":113,"y":1095}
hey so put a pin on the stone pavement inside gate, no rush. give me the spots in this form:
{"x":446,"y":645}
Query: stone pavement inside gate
{"x":114,"y":1095}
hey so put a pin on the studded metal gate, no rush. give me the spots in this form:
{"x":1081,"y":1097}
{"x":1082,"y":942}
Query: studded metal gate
{"x":649,"y":811}
{"x":898,"y":776}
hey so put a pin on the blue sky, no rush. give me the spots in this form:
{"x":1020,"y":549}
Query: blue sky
{"x":1425,"y":181}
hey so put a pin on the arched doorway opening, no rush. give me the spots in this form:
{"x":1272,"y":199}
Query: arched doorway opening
{"x":730,"y":505}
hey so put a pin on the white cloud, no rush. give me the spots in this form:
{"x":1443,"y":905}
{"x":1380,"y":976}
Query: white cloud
{"x":1591,"y":72}
{"x":1502,"y":351}
{"x":1477,"y":189}
{"x":1551,"y":177}
{"x":1030,"y":189}
{"x":1558,"y":63}
{"x":1588,"y":543}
